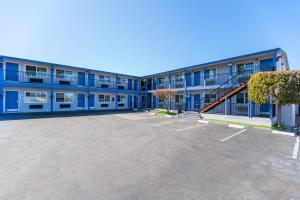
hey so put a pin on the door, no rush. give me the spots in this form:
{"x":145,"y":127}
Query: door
{"x":12,"y":72}
{"x":135,"y":84}
{"x":196,"y":78}
{"x":188,"y":102}
{"x":11,"y":100}
{"x":266,"y":65}
{"x":197,"y":101}
{"x":80,"y":100}
{"x":129,"y":84}
{"x":91,"y":100}
{"x":135,"y":101}
{"x":129,"y":101}
{"x":91,"y":78}
{"x":154,"y":101}
{"x":188,"y":78}
{"x":81,"y":79}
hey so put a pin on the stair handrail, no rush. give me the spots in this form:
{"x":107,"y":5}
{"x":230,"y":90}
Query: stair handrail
{"x":229,"y":80}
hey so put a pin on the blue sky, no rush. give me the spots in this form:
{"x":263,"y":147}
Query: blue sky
{"x":141,"y":37}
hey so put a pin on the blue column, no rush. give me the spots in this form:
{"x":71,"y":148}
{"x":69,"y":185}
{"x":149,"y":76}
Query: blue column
{"x":147,"y":93}
{"x":230,"y":72}
{"x":51,"y":90}
{"x":271,"y":108}
{"x":274,"y":57}
{"x":185,"y":91}
{"x":170,"y":79}
{"x":204,"y":75}
{"x":116,"y":98}
{"x":1,"y":88}
{"x":249,"y":109}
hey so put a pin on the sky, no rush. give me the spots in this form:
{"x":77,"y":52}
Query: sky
{"x":140,"y":37}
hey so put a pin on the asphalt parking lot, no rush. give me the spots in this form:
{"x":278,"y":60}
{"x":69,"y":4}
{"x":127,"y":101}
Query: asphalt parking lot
{"x":140,"y":156}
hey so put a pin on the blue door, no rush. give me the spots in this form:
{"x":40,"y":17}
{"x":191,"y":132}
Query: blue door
{"x":80,"y":100}
{"x":12,"y":72}
{"x":129,"y":84}
{"x":154,"y":84}
{"x":196,"y":78}
{"x":135,"y":84}
{"x":91,"y":100}
{"x":188,"y":77}
{"x":197,"y":101}
{"x":129,"y":101}
{"x":91,"y":78}
{"x":11,"y":100}
{"x":266,"y":65}
{"x":135,"y":102}
{"x":154,"y":101}
{"x":264,"y":109}
{"x":81,"y":79}
{"x":188,"y":103}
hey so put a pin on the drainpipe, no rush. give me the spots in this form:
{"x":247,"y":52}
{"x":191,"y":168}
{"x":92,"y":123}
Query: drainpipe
{"x":51,"y":89}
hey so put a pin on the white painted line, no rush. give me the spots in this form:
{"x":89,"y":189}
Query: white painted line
{"x":223,"y":140}
{"x":283,"y":133}
{"x":203,"y":121}
{"x":168,"y":116}
{"x":296,"y":148}
{"x":161,"y":123}
{"x":187,"y":128}
{"x":151,"y":113}
{"x":235,"y":126}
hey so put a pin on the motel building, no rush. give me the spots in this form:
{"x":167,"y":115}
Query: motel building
{"x":218,"y":87}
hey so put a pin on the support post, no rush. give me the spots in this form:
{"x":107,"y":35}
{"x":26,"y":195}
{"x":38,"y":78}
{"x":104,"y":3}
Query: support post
{"x":1,"y":88}
{"x":51,"y":89}
{"x":230,"y":72}
{"x":204,"y":75}
{"x":116,"y":93}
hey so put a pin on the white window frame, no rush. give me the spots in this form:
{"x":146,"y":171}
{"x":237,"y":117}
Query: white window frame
{"x":121,"y":98}
{"x":36,"y":73}
{"x":105,"y":96}
{"x":35,"y":91}
{"x":121,"y":80}
{"x":104,"y":78}
{"x":208,"y":75}
{"x":65,"y":76}
{"x":64,"y":97}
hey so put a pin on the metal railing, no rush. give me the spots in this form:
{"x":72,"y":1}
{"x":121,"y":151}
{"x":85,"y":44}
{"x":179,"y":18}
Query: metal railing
{"x":44,"y":78}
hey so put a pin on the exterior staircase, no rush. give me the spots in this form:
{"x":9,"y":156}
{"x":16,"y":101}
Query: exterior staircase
{"x":226,"y":95}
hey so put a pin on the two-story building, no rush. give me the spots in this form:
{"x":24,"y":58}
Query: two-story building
{"x":214,"y":87}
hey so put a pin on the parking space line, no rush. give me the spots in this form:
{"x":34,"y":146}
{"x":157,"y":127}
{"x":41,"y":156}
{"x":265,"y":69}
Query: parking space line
{"x":187,"y":128}
{"x":296,"y":149}
{"x":160,"y":123}
{"x":227,"y":138}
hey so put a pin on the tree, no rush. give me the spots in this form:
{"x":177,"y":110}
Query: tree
{"x":166,"y":95}
{"x":283,"y":87}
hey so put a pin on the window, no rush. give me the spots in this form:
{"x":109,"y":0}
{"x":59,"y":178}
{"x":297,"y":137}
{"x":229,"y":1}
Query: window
{"x":160,"y":100}
{"x":104,"y":98}
{"x":210,"y":74}
{"x":161,"y":80}
{"x":179,"y":98}
{"x":64,"y":97}
{"x":62,"y":74}
{"x":245,"y":68}
{"x":35,"y":97}
{"x":104,"y":79}
{"x":33,"y":70}
{"x":121,"y":80}
{"x":121,"y":98}
{"x":242,"y":97}
{"x":179,"y":77}
{"x":209,"y":98}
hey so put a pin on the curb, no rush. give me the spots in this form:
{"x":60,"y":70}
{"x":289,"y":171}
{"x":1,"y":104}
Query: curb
{"x":284,"y":133}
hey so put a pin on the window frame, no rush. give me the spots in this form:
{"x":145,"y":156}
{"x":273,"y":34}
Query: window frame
{"x":64,"y":97}
{"x":36,"y":96}
{"x":105,"y":96}
{"x":121,"y":98}
{"x":35,"y":72}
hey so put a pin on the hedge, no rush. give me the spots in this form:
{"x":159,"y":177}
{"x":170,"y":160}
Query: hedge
{"x":283,"y":86}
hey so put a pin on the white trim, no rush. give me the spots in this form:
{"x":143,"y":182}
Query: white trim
{"x":283,"y":133}
{"x":64,"y":97}
{"x":235,"y":126}
{"x":4,"y":101}
{"x":24,"y":97}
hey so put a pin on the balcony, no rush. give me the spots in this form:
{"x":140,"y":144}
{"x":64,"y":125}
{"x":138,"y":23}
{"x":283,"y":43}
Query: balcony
{"x":26,"y":77}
